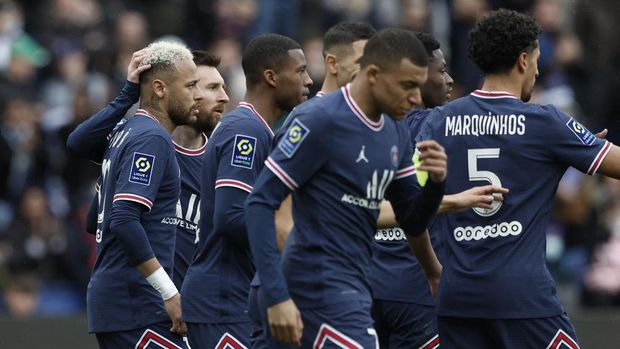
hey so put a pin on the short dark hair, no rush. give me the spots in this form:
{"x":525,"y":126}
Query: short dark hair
{"x":206,"y":58}
{"x":389,"y":46}
{"x":346,"y":33}
{"x":430,"y":43}
{"x":496,"y":41}
{"x":266,"y":51}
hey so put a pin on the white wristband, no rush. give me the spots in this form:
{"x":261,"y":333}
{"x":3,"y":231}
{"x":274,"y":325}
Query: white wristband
{"x":162,"y":283}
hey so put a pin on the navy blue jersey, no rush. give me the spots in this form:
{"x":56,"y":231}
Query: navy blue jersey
{"x":494,"y":263}
{"x":396,"y":274}
{"x":188,"y":208}
{"x":217,"y":283}
{"x":339,"y":164}
{"x":139,"y":166}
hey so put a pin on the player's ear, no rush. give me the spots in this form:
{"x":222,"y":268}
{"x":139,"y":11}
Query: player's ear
{"x":372,"y":73}
{"x":331,"y":62}
{"x":271,"y":78}
{"x":522,"y":62}
{"x":159,"y":88}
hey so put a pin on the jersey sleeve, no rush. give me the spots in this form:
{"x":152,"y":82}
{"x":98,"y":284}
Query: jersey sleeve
{"x":575,"y":145}
{"x":241,"y":153}
{"x":89,"y":140}
{"x":144,"y":163}
{"x":414,"y":204}
{"x":302,"y":150}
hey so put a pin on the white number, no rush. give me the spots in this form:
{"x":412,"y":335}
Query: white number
{"x":105,"y":168}
{"x":475,"y":175}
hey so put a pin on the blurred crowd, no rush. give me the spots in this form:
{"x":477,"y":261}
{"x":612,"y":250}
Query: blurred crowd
{"x":62,"y":60}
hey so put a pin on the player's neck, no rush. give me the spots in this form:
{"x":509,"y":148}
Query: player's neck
{"x":361,"y":94}
{"x":502,"y":83}
{"x":329,"y":84}
{"x":265,"y":104}
{"x":188,"y":137}
{"x":158,"y":112}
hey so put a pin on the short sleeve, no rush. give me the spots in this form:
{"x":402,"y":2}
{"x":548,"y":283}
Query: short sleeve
{"x":302,"y":150}
{"x":143,"y":164}
{"x":575,"y":145}
{"x":242,"y":150}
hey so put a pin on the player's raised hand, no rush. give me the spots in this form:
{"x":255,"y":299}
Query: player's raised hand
{"x":134,"y":69}
{"x":173,"y":308}
{"x":481,"y":197}
{"x":433,"y":159}
{"x":285,"y":322}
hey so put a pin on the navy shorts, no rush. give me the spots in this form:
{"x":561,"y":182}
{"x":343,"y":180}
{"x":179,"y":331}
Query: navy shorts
{"x":555,"y":332}
{"x":405,"y":325}
{"x":155,"y":336}
{"x":228,"y":335}
{"x":343,"y":325}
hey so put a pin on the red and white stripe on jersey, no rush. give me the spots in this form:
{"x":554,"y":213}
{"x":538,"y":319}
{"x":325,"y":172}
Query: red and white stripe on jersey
{"x":373,"y":125}
{"x":234,"y":184}
{"x":405,"y":172}
{"x":97,"y":187}
{"x":493,"y":94}
{"x":432,"y":343}
{"x":320,"y":93}
{"x":560,"y":338}
{"x":143,"y":112}
{"x":228,"y":341}
{"x":326,"y":332}
{"x":599,"y":158}
{"x":280,"y":173}
{"x":247,"y":105}
{"x":135,"y":198}
{"x":191,"y":152}
{"x":150,"y":336}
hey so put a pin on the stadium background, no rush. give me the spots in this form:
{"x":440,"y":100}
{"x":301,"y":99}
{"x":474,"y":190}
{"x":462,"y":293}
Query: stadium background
{"x":62,"y":60}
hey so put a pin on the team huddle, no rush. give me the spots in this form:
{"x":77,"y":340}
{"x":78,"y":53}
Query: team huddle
{"x":344,"y":229}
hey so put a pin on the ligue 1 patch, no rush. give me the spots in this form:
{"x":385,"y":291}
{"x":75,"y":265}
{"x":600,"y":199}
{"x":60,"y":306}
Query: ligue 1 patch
{"x":243,"y":151}
{"x":585,"y":136}
{"x":141,"y":168}
{"x":295,"y":135}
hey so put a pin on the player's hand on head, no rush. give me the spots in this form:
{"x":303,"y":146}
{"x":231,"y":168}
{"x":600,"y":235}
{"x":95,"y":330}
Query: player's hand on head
{"x":482,"y":197}
{"x":433,"y":159}
{"x":134,"y":69}
{"x":285,"y":322}
{"x":173,"y":308}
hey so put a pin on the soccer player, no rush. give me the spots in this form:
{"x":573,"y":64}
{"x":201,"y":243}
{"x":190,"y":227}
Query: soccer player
{"x":403,"y":307}
{"x":215,"y":290}
{"x":496,"y":291}
{"x":343,"y":45}
{"x":336,"y":198}
{"x":137,"y":203}
{"x":189,"y":143}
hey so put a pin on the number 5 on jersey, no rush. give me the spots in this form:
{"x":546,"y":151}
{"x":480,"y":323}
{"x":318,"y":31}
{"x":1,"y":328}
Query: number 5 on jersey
{"x":475,"y":175}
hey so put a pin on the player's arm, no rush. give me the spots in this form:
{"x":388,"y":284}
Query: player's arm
{"x":240,"y":158}
{"x":610,"y":165}
{"x":481,"y":197}
{"x":89,"y":140}
{"x":425,"y":254}
{"x":284,"y":318}
{"x":133,"y":197}
{"x":286,"y":169}
{"x":284,"y":221}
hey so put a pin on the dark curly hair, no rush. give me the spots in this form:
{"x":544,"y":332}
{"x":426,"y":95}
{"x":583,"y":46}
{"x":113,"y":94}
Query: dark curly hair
{"x":496,"y":42}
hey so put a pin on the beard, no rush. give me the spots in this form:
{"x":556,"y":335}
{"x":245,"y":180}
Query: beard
{"x":180,"y":115}
{"x":207,"y":123}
